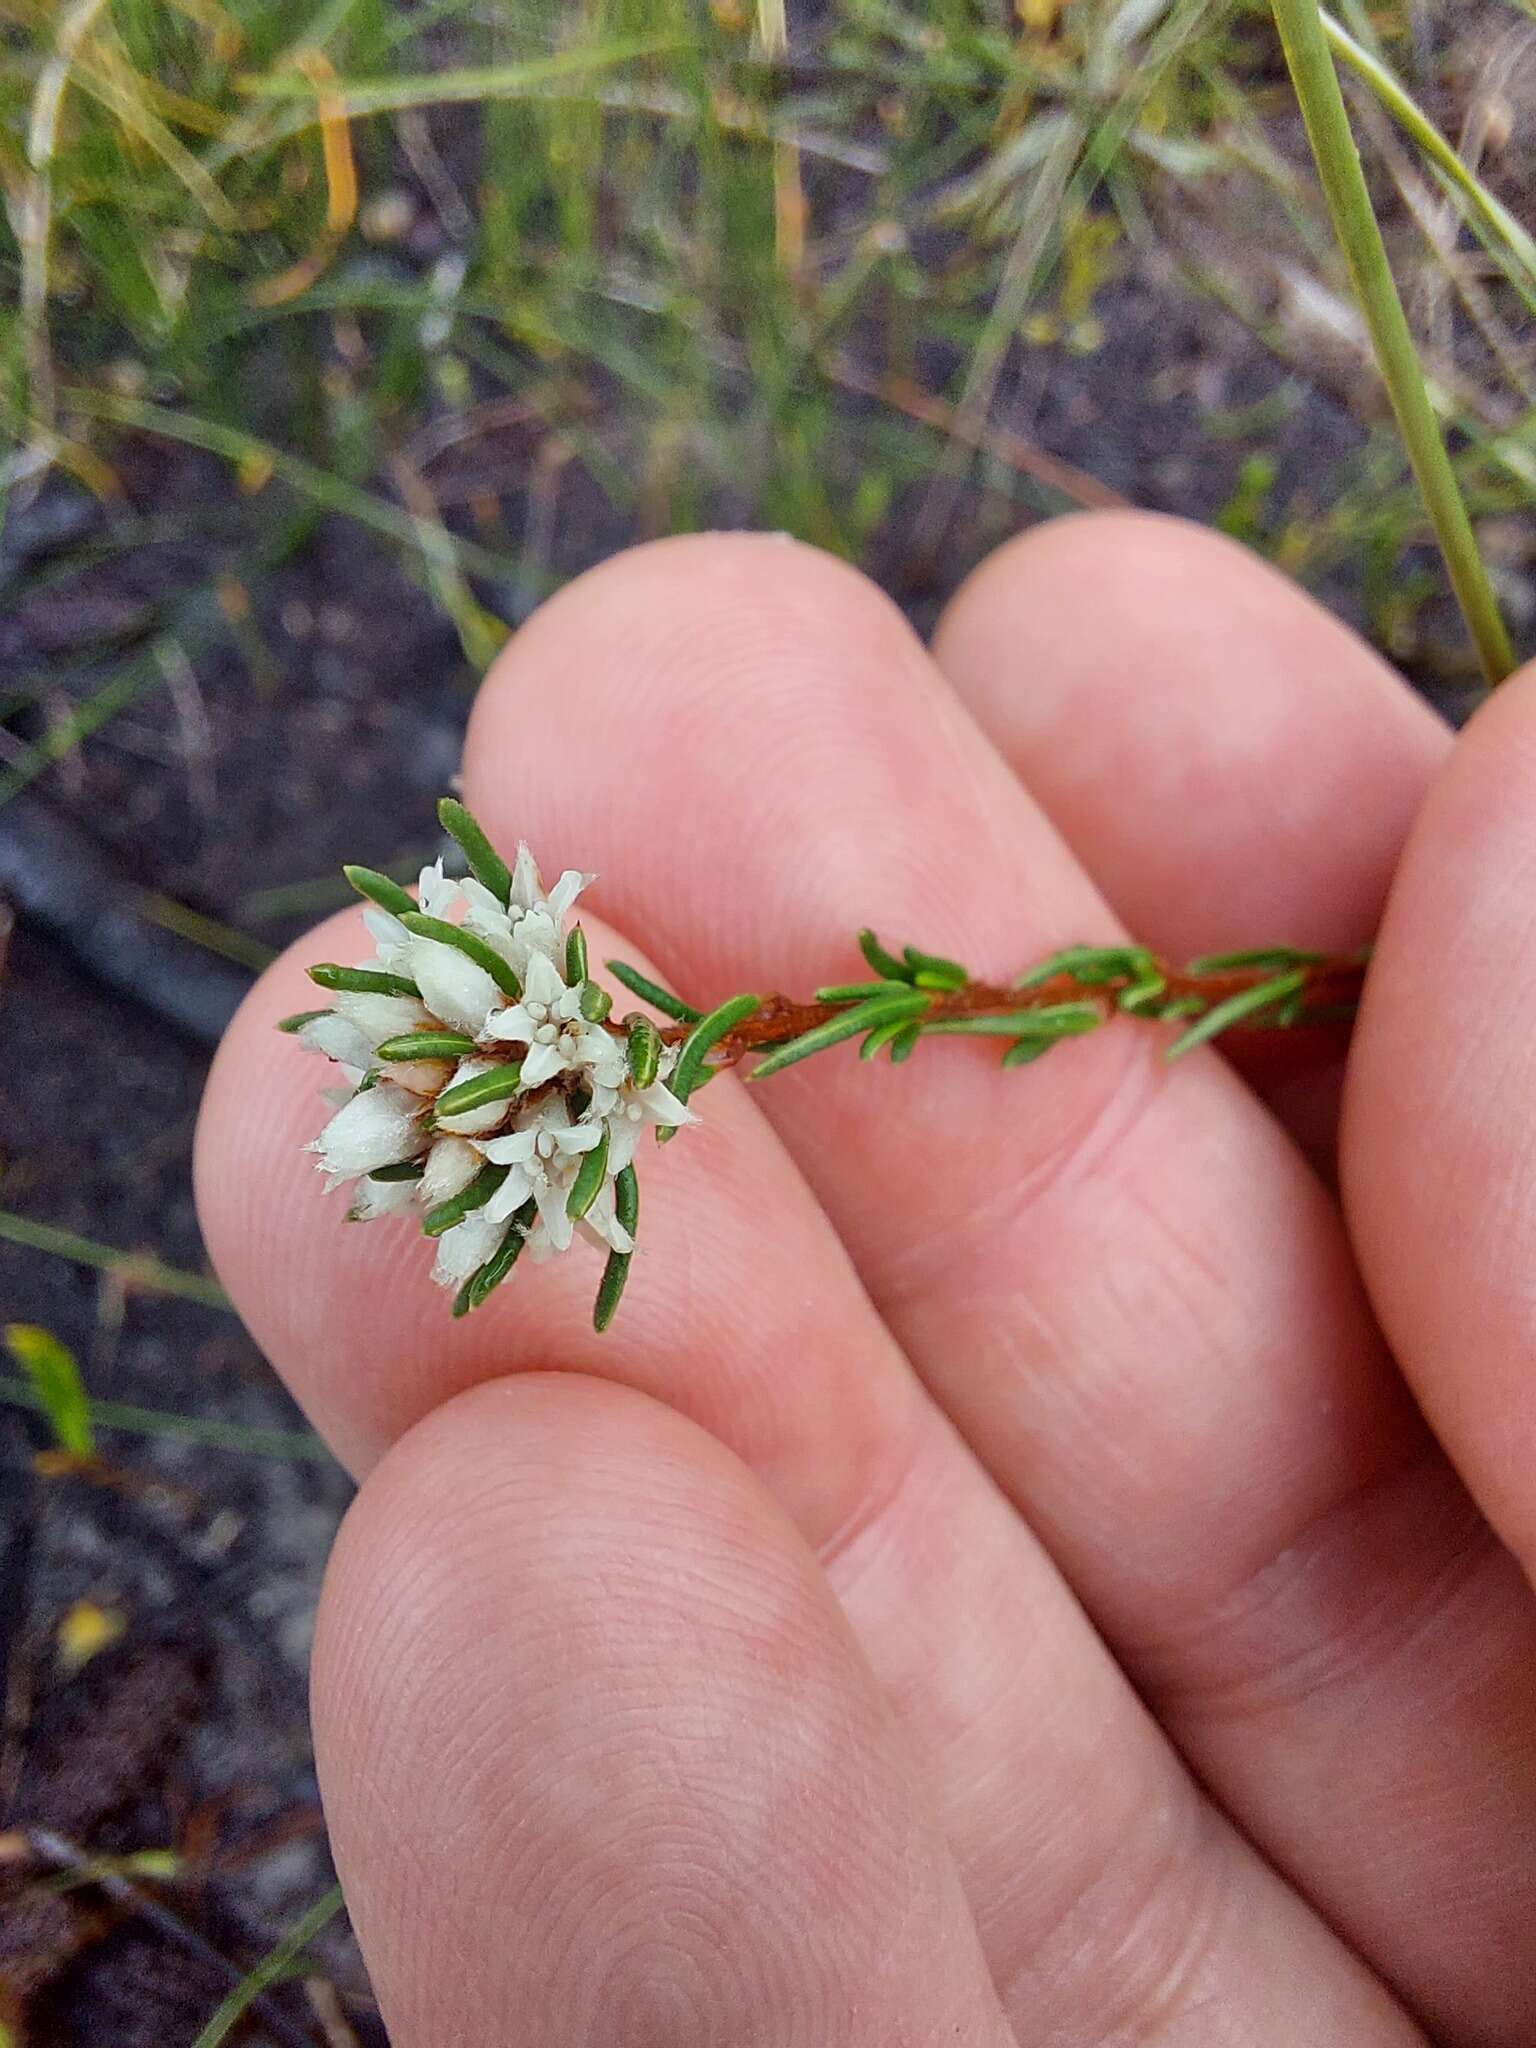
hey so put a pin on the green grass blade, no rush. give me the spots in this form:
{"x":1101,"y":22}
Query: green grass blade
{"x":136,"y":1269}
{"x":1490,"y":210}
{"x":1349,"y":204}
{"x":54,"y":1374}
{"x":272,"y":1967}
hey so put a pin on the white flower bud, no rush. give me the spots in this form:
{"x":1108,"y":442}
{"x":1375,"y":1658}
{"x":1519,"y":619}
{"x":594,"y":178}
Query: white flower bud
{"x":381,"y":1017}
{"x":374,"y":1198}
{"x":468,"y":1245}
{"x":339,"y":1039}
{"x":452,"y":986}
{"x":451,"y":1165}
{"x":377,"y":1128}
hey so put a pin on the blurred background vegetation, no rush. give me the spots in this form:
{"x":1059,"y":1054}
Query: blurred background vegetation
{"x":331,"y":339}
{"x":506,"y":285}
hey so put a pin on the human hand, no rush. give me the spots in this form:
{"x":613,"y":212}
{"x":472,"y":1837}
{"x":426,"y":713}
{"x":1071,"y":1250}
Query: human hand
{"x":993,"y":1584}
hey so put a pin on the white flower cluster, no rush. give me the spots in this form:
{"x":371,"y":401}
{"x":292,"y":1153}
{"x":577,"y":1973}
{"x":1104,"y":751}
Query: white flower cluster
{"x":559,"y":1082}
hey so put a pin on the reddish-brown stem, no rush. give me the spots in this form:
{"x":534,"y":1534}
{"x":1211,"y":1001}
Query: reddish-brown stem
{"x":1331,"y":986}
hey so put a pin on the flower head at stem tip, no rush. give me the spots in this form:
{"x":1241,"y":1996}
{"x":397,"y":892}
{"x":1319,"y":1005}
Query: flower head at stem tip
{"x":492,"y":1092}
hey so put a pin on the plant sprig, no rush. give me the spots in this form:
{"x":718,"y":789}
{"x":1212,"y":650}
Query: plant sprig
{"x":504,"y":1129}
{"x":1068,"y":994}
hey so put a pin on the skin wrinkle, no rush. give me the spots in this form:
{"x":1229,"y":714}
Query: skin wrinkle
{"x":1253,"y":1654}
{"x":1150,"y":1959}
{"x":1038,"y":644}
{"x":1128,"y":1089}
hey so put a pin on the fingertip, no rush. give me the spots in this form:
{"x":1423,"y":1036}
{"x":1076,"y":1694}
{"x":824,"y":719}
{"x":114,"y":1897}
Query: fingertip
{"x":638,"y":640}
{"x":734,"y":667}
{"x":599,"y":1757}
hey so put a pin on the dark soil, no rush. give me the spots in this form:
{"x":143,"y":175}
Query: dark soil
{"x":326,"y":734}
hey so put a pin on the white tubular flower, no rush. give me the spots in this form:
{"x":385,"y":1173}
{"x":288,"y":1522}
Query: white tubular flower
{"x":375,"y":1198}
{"x":634,"y":1111}
{"x":542,"y":1158}
{"x":550,"y":1154}
{"x":601,"y":1226}
{"x":380,"y":1126}
{"x":436,"y":893}
{"x":390,"y":936}
{"x":548,"y":1021}
{"x":373,"y":1020}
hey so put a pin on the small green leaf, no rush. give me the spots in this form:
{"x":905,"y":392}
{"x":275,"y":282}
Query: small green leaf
{"x":897,"y":1009}
{"x":1091,"y":965}
{"x":1141,"y":996}
{"x":475,"y":1196}
{"x":408,"y":1169}
{"x":859,"y":991}
{"x":881,"y":1037}
{"x":576,"y":956}
{"x":932,"y":970}
{"x":886,"y":965}
{"x":299,"y":1019}
{"x":485,"y":863}
{"x":706,"y":1033}
{"x":644,"y":1050}
{"x":626,"y":1199}
{"x":1248,"y":1003}
{"x":1027,"y":1049}
{"x":904,"y":1044}
{"x":485,"y":1279}
{"x":1259,"y":956}
{"x":55,"y":1378}
{"x":363,"y":981}
{"x":610,"y":1288}
{"x":595,"y":1002}
{"x":1050,"y":1022}
{"x":427,"y":1045}
{"x":466,"y":943}
{"x":380,"y":889}
{"x":590,"y":1176}
{"x":496,"y":1085}
{"x":653,"y":993}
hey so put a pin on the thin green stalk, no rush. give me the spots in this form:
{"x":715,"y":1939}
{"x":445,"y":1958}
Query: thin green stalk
{"x":1416,"y":124}
{"x":294,"y":1445}
{"x":1349,"y":205}
{"x":142,"y":1271}
{"x":272,"y":1968}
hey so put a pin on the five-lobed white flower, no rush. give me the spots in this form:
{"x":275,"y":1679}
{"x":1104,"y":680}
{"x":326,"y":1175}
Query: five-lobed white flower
{"x":574,"y":1088}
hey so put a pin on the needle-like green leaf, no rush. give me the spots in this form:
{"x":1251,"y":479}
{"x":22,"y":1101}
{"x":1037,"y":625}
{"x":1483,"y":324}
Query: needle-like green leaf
{"x":380,"y":889}
{"x":495,"y":1085}
{"x":485,"y":863}
{"x":457,"y":1207}
{"x":469,"y":945}
{"x":1249,"y":1003}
